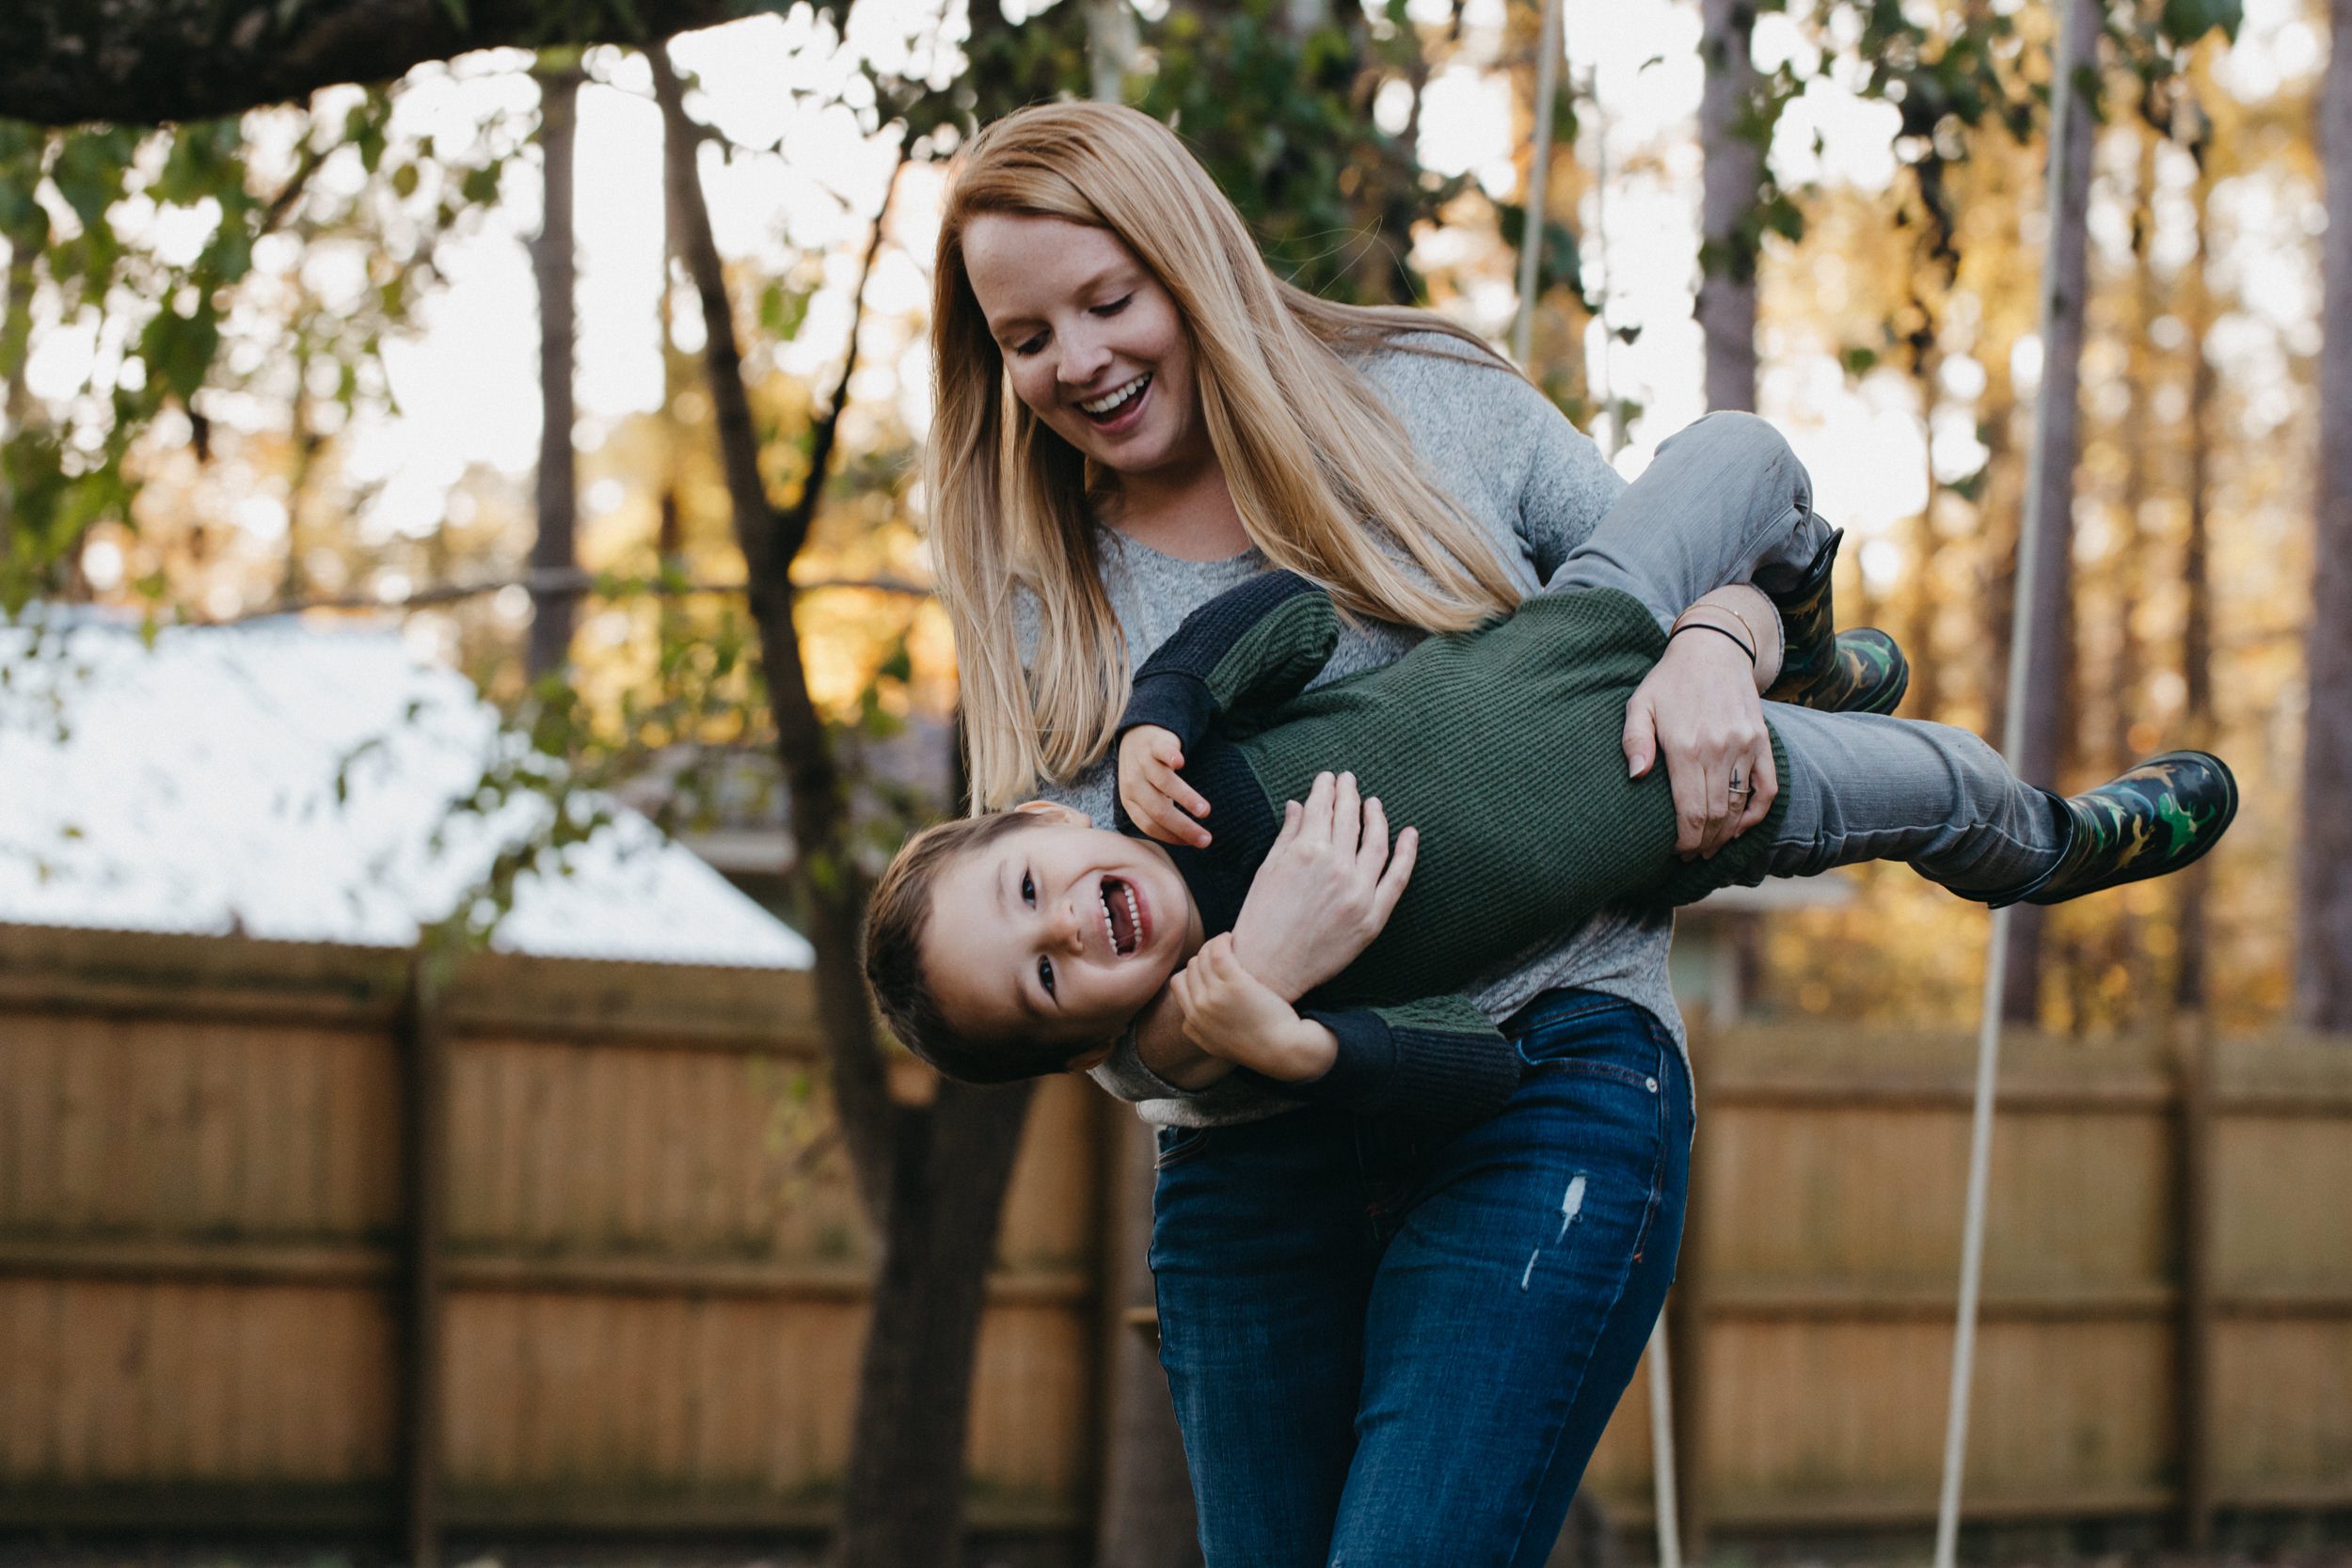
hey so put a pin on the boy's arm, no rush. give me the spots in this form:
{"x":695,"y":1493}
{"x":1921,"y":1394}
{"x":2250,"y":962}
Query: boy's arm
{"x":1252,"y":646}
{"x":1436,"y":1062}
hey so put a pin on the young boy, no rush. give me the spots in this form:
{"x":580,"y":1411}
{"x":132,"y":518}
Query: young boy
{"x":1015,"y":944}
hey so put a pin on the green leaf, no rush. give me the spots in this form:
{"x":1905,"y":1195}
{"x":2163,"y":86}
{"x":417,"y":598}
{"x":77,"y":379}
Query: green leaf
{"x":88,"y":174}
{"x":178,"y":350}
{"x":781,"y":309}
{"x":2186,"y":20}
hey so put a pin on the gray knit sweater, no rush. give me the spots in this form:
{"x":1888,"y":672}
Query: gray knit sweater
{"x":1537,"y":485}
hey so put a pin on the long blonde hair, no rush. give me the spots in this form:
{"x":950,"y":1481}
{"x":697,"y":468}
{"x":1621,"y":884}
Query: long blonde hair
{"x":1320,"y":470}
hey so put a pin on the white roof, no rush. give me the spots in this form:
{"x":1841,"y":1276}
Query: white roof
{"x":193,"y":788}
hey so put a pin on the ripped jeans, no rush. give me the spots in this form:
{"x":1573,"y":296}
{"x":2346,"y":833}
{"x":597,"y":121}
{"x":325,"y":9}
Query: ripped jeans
{"x":1400,"y":1353}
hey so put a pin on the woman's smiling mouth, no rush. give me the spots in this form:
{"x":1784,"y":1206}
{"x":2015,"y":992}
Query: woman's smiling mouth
{"x":1114,"y":405}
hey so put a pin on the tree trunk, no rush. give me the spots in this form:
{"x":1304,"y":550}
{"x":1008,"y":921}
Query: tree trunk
{"x":1145,"y":1516}
{"x":1734,"y":165}
{"x":931,"y":1177}
{"x":2036,"y":691}
{"x":903,"y":1496}
{"x":140,"y":62}
{"x":2188,"y":975}
{"x":1927,"y":688}
{"x":2323,"y":925}
{"x":553,"y":255}
{"x":16,"y":401}
{"x":1112,"y":41}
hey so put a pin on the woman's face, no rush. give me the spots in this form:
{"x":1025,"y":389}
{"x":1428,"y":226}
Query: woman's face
{"x":1094,"y":344}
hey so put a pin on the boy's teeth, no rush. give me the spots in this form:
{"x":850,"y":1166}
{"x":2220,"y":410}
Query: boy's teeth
{"x":1105,"y":404}
{"x":1110,"y":922}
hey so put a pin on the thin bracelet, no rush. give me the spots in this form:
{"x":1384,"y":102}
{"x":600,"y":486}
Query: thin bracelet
{"x":1724,"y":631}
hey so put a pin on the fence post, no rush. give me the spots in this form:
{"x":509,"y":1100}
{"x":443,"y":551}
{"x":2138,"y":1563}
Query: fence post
{"x":1686,"y":1325}
{"x":2193,"y":1371}
{"x":424,"y":1044}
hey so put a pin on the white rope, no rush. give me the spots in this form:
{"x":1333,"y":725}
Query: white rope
{"x":1996,"y":963}
{"x":1972,"y":1239}
{"x":1547,"y":49}
{"x":1661,"y":1447}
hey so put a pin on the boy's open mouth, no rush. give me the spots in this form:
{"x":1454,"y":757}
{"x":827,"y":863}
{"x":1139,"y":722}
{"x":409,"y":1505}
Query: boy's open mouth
{"x":1123,"y":916}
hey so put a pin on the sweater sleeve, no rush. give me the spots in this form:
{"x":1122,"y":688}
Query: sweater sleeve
{"x":1491,"y":436}
{"x":1244,"y":653}
{"x":1435,"y":1062}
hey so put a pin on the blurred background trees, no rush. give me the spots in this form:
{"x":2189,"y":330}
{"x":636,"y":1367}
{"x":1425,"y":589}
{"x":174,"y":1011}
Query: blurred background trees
{"x":217,"y":330}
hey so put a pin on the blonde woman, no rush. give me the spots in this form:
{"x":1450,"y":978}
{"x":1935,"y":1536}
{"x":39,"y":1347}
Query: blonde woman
{"x":1382,"y":1348}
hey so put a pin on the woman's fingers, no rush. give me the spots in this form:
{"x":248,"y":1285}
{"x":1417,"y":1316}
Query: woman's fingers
{"x":1690,"y":793}
{"x":1347,"y":814}
{"x":1372,"y":850}
{"x":1320,"y":800}
{"x":1766,"y":778}
{"x":1391,"y":887}
{"x":1641,"y":735}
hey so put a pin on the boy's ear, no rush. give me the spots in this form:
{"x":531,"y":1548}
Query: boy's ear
{"x":1056,"y":811}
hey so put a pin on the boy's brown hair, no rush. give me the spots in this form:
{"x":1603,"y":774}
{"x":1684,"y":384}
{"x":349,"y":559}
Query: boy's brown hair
{"x":897,"y":919}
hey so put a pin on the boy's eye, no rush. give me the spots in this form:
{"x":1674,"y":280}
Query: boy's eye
{"x":1046,"y":974}
{"x":1028,"y":889}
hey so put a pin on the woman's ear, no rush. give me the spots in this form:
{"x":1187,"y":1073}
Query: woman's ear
{"x":1055,"y":811}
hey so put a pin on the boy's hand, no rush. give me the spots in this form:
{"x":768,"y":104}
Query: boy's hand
{"x":1326,"y":889}
{"x":1152,"y":789}
{"x":1230,"y":1014}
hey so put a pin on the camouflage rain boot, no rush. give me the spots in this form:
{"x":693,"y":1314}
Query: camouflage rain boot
{"x":2156,"y":818}
{"x":1837,"y":671}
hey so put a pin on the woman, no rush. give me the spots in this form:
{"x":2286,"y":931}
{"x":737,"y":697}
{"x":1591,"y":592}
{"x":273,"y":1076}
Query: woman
{"x":1382,"y":1349}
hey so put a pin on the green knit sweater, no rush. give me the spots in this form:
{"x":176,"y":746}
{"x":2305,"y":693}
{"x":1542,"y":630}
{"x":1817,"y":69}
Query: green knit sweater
{"x":1502,"y":746}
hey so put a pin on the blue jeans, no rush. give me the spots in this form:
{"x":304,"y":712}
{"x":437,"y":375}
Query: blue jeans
{"x":1388,"y":1350}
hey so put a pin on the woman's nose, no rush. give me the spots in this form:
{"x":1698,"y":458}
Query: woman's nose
{"x":1083,"y":356}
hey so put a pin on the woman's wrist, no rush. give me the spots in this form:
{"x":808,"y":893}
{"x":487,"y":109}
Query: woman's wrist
{"x":1757,"y":620}
{"x":1716,"y":621}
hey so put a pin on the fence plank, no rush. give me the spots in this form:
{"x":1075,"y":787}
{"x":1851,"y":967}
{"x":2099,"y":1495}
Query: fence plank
{"x":424,"y":1161}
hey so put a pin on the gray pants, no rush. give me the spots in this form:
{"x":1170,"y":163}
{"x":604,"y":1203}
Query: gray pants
{"x":1726,"y":501}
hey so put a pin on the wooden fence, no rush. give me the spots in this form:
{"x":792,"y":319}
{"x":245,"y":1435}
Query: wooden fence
{"x":246,"y":1190}
{"x":2167,"y":1315}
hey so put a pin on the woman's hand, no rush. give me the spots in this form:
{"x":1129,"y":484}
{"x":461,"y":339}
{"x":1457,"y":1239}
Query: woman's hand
{"x":1326,"y":889}
{"x":1699,"y":708}
{"x":1230,"y":1014}
{"x":1151,"y":787}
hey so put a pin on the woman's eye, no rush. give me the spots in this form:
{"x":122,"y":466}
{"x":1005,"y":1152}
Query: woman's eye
{"x":1046,"y":974}
{"x":1028,"y":889}
{"x":1114,"y":307}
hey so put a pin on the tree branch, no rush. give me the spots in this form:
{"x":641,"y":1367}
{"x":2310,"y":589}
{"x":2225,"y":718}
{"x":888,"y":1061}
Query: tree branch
{"x":832,"y":888}
{"x":144,"y":62}
{"x":560,"y":583}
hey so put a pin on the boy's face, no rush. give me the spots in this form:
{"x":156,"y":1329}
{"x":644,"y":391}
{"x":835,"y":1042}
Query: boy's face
{"x":1058,"y":933}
